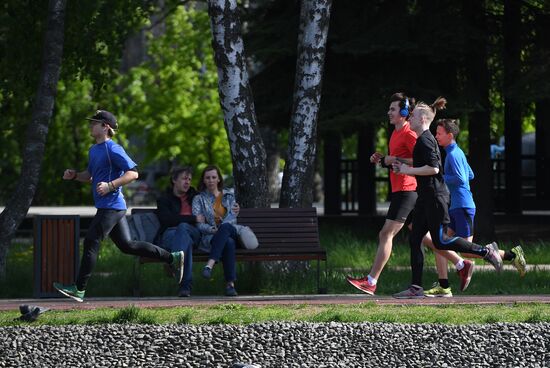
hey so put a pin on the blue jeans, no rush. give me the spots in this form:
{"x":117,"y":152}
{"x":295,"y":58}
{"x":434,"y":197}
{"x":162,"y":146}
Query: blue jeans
{"x":223,"y":247}
{"x":182,"y":238}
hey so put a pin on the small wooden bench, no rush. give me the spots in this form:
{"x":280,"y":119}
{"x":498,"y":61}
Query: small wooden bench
{"x":284,"y":234}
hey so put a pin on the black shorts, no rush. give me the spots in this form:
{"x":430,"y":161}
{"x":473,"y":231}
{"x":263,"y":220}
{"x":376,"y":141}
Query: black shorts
{"x":402,"y":203}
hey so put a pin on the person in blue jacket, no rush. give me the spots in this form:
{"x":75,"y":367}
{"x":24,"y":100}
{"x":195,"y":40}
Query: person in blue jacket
{"x":457,"y":176}
{"x":109,"y":169}
{"x":219,"y":233}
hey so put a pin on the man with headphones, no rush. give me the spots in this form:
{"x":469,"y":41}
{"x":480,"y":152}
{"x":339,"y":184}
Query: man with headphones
{"x":403,"y":187}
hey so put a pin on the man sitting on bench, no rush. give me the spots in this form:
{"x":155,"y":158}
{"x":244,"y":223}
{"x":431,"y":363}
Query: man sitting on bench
{"x":178,"y":231}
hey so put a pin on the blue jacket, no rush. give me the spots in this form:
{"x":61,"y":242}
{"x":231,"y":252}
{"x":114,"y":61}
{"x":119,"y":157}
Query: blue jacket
{"x":457,"y":176}
{"x":203,"y":204}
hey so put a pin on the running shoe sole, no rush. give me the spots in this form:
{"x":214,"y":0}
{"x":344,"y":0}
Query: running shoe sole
{"x":350,"y":279}
{"x":78,"y":299}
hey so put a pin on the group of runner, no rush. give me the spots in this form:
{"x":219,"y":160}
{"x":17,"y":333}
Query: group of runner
{"x":433,"y":199}
{"x":420,"y":197}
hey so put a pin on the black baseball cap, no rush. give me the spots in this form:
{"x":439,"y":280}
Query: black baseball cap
{"x":105,"y":117}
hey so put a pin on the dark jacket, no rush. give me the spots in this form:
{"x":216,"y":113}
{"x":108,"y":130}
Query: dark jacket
{"x":169,"y":207}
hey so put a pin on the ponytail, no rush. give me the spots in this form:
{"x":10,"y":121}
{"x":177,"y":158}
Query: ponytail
{"x":439,"y":104}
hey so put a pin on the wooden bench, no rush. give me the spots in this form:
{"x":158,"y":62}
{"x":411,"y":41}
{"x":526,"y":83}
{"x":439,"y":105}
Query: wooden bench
{"x":284,"y":234}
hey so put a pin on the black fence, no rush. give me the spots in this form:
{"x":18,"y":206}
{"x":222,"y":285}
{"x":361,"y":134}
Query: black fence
{"x":349,"y":184}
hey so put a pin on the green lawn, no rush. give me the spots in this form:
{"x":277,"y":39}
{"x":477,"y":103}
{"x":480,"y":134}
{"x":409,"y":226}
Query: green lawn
{"x":240,"y":314}
{"x":348,"y":252}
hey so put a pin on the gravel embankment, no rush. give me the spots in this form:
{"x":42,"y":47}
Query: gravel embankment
{"x":278,"y":345}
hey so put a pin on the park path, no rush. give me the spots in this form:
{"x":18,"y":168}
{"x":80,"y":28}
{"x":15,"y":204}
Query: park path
{"x":318,"y":299}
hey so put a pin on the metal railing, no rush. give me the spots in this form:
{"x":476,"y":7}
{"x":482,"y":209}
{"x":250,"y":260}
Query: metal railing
{"x":349,"y":182}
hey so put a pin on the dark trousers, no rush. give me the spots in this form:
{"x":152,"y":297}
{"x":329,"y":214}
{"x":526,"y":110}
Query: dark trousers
{"x":224,"y":243}
{"x":431,"y":214}
{"x":113,"y":223}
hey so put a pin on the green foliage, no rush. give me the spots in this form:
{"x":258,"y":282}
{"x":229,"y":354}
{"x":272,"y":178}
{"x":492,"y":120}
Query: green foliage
{"x":171,"y":100}
{"x":169,"y":103}
{"x":95,"y":32}
{"x":67,"y":146}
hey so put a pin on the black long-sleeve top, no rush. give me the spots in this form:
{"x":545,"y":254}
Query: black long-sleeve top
{"x":169,"y":207}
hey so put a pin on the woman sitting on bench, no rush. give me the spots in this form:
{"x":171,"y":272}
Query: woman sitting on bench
{"x":219,"y":238}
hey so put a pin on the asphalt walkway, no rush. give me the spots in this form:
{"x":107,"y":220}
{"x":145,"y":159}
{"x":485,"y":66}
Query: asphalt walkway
{"x":314,"y":299}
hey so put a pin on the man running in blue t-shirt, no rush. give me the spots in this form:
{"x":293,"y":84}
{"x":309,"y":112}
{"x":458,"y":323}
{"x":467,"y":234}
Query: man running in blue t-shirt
{"x":110,"y":168}
{"x":457,"y":176}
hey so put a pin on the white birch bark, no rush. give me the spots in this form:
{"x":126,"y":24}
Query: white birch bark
{"x":247,"y":149}
{"x":300,"y":162}
{"x":18,"y":205}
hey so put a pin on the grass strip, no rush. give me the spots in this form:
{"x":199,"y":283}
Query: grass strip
{"x":241,"y":315}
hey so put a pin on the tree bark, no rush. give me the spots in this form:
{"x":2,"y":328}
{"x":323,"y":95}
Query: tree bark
{"x":300,"y":162}
{"x":245,"y":141}
{"x":512,"y":107}
{"x":542,"y":144}
{"x":271,"y":144}
{"x":37,"y":131}
{"x":479,"y":119}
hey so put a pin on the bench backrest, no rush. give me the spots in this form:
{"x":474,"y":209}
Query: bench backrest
{"x":282,"y":227}
{"x":278,"y":227}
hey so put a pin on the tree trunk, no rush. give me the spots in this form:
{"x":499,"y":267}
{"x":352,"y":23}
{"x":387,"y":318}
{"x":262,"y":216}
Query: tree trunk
{"x":271,"y":144}
{"x":479,"y":120}
{"x":542,"y":144}
{"x":247,"y":148}
{"x":512,"y":107}
{"x":300,"y":161}
{"x":37,"y":131}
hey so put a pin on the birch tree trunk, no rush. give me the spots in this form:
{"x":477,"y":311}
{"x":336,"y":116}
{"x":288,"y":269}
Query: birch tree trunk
{"x":37,"y":130}
{"x":300,"y":162}
{"x":247,"y":149}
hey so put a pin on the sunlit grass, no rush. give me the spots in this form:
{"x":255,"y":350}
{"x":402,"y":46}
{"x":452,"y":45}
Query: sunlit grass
{"x":242,"y":315}
{"x":349,"y":251}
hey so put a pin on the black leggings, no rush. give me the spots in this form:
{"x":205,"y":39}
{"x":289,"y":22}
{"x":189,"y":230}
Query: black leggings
{"x":431,"y":214}
{"x":113,"y":223}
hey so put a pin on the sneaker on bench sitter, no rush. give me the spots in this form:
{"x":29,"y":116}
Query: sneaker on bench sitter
{"x":178,"y":265}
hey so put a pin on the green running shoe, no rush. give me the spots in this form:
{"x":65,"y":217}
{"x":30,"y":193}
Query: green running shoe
{"x":438,"y":292}
{"x":71,"y":291}
{"x":178,"y":265}
{"x":519,"y":261}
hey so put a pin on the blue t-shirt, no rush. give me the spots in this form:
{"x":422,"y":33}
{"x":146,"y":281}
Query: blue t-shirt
{"x":107,"y":162}
{"x":458,"y":174}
